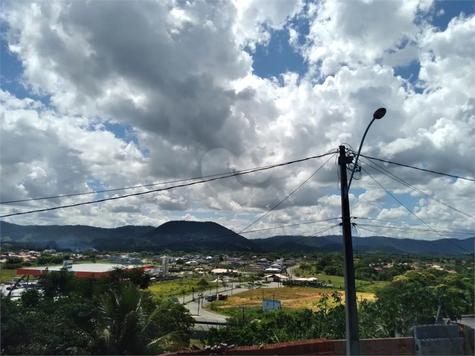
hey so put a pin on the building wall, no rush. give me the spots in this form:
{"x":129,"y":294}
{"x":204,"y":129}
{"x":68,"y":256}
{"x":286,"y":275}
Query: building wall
{"x":390,"y":346}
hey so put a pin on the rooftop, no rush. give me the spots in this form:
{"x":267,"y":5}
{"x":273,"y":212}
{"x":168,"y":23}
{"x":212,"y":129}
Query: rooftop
{"x":81,"y":270}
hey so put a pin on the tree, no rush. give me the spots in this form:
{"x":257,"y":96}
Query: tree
{"x":123,"y":321}
{"x":132,"y":323}
{"x":57,"y":283}
{"x":30,"y":298}
{"x":136,"y":276}
{"x":203,"y":284}
{"x":330,"y":270}
{"x":13,"y":263}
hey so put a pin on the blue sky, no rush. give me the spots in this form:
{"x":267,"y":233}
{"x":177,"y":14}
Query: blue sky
{"x":168,"y":131}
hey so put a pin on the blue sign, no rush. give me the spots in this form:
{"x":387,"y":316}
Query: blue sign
{"x":270,"y":305}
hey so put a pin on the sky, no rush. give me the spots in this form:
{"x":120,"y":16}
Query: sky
{"x":99,"y":95}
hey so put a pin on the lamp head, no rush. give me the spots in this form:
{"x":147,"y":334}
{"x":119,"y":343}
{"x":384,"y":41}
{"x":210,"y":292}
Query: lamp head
{"x":378,"y":114}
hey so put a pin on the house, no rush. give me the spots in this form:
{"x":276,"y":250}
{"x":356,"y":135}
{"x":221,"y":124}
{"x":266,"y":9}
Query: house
{"x":253,"y":268}
{"x":125,"y":259}
{"x":275,"y":278}
{"x":223,"y":271}
{"x":263,"y":262}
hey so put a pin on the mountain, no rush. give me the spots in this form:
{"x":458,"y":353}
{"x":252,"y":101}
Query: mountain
{"x":69,"y":236}
{"x":194,"y":235}
{"x":205,"y":236}
{"x":333,"y":243}
{"x":174,"y":235}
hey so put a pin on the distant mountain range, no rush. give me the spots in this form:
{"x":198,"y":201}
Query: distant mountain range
{"x":208,"y":236}
{"x":367,"y":244}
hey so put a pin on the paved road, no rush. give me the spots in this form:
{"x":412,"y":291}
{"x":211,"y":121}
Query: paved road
{"x":207,"y":316}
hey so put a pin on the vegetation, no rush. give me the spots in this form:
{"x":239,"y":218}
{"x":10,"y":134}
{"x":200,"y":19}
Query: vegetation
{"x":291,"y":298}
{"x":410,"y":299}
{"x":126,"y":314}
{"x":338,"y":282}
{"x":7,"y":275}
{"x":179,"y":287}
{"x":331,"y":265}
{"x":93,"y":316}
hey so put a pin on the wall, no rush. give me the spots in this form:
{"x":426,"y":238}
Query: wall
{"x":392,"y":346}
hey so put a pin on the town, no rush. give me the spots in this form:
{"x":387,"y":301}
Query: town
{"x":237,"y":177}
{"x":215,"y":289}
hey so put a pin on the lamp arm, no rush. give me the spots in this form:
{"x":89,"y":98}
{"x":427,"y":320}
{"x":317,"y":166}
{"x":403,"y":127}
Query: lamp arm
{"x":358,"y":155}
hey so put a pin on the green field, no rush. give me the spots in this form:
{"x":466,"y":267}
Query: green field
{"x":339,"y":282}
{"x":7,"y":275}
{"x":292,"y":298}
{"x":176,"y":287}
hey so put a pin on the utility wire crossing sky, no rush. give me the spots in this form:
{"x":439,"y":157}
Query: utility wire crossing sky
{"x":101,"y":98}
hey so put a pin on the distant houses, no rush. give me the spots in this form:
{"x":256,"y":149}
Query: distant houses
{"x":125,"y":259}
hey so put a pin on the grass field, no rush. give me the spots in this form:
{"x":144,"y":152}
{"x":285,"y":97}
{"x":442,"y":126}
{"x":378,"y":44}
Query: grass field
{"x":339,"y":282}
{"x":176,"y":287}
{"x":292,"y":298}
{"x":7,"y":275}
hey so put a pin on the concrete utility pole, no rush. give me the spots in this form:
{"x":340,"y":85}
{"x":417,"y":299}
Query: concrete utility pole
{"x":352,"y":338}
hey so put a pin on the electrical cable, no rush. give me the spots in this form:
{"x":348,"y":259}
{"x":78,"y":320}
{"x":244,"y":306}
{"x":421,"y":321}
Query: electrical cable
{"x":399,"y":222}
{"x":316,"y":234}
{"x":416,"y":241}
{"x":412,"y":229}
{"x":167,"y":188}
{"x":403,"y":182}
{"x":155,"y":184}
{"x":288,"y":196}
{"x":373,"y":232}
{"x":411,"y":212}
{"x":420,"y":169}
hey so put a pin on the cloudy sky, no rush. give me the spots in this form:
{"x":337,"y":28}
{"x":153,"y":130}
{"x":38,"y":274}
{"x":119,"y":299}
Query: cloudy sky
{"x":107,"y":94}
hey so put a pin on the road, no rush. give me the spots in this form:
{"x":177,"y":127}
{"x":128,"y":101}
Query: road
{"x":207,"y":316}
{"x":290,"y":271}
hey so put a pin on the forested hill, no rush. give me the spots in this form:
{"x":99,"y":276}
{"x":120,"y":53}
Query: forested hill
{"x":367,"y":244}
{"x":208,"y":236}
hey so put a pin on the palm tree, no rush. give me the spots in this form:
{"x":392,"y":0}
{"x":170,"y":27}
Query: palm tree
{"x":125,"y":323}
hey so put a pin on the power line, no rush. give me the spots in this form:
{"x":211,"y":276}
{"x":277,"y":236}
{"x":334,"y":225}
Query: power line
{"x":108,"y":190}
{"x":403,"y":182}
{"x":406,"y":223}
{"x":322,"y":231}
{"x":416,"y":241}
{"x":372,"y":231}
{"x":288,"y":196}
{"x":420,"y":169}
{"x":289,"y":225}
{"x":410,"y":211}
{"x":412,"y":229}
{"x":167,"y":188}
{"x":241,"y":172}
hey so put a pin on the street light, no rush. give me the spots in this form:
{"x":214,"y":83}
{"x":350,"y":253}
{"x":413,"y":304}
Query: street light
{"x":352,"y":337}
{"x":378,"y":114}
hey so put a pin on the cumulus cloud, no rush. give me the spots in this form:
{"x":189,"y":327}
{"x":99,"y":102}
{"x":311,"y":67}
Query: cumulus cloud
{"x":180,"y":76}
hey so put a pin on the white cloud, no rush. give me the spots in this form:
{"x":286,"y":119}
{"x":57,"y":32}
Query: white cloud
{"x":353,"y":32}
{"x":178,"y":75}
